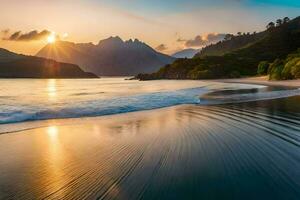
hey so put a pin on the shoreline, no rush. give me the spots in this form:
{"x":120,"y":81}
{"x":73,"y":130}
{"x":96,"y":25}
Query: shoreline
{"x":17,"y":127}
{"x":33,"y":124}
{"x":262,"y":80}
{"x":121,"y":155}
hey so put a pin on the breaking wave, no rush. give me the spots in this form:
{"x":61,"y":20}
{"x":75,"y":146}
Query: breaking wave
{"x":88,"y":107}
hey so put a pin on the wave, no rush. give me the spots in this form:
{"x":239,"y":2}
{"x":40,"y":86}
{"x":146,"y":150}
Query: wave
{"x":103,"y":107}
{"x":124,"y":104}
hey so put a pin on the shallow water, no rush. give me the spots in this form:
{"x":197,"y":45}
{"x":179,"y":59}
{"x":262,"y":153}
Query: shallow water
{"x":233,"y":151}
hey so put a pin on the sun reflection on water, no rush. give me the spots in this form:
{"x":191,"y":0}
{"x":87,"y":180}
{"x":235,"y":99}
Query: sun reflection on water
{"x":52,"y":132}
{"x":51,"y":89}
{"x":55,"y":159}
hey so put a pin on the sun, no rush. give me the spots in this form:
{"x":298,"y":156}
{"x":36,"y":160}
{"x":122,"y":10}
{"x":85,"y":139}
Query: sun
{"x":51,"y":39}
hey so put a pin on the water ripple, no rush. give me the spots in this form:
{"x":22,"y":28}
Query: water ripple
{"x":190,"y":152}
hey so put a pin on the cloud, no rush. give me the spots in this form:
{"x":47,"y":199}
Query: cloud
{"x":215,"y":37}
{"x":30,"y":36}
{"x":161,"y":47}
{"x":181,"y":40}
{"x":5,"y":31}
{"x":203,"y":40}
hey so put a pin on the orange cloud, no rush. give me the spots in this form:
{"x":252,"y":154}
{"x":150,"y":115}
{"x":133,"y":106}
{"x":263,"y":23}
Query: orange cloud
{"x":32,"y":35}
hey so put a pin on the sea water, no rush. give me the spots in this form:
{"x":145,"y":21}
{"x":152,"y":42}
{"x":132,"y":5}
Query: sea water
{"x":40,"y":99}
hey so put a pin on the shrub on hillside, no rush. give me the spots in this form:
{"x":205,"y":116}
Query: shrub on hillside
{"x":287,"y":70}
{"x":295,"y":70}
{"x":263,"y":67}
{"x":275,"y":70}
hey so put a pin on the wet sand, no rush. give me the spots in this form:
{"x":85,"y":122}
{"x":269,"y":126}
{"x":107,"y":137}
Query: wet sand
{"x":262,"y":80}
{"x":237,"y":151}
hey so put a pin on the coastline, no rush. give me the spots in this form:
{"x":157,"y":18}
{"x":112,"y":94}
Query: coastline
{"x":141,"y":154}
{"x":262,"y":80}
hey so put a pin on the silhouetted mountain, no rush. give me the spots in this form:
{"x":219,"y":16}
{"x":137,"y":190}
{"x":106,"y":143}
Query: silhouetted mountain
{"x":186,"y":53}
{"x":6,"y":56}
{"x":14,"y":65}
{"x":109,"y":57}
{"x":276,"y":43}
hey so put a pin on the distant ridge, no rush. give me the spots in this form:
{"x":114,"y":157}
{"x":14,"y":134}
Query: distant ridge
{"x":14,"y":65}
{"x":235,"y":59}
{"x":186,"y":53}
{"x":110,"y":57}
{"x":233,"y":43}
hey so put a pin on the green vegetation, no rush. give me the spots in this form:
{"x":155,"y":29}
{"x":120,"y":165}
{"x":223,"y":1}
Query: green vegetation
{"x":284,"y":69}
{"x":263,"y":67}
{"x":275,"y":43}
{"x":231,"y":43}
{"x":275,"y":69}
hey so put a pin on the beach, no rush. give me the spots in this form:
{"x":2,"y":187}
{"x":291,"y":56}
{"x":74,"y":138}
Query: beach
{"x":244,"y":150}
{"x":263,"y":80}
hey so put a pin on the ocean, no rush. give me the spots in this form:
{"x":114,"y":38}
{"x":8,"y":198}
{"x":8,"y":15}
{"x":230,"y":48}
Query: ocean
{"x":40,"y":99}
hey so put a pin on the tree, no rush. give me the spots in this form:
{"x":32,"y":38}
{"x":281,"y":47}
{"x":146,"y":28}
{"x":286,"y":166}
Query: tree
{"x":228,"y":37}
{"x":271,"y":25}
{"x":275,"y":69}
{"x":286,"y":20}
{"x":239,"y":33}
{"x":263,"y":67}
{"x":279,"y":22}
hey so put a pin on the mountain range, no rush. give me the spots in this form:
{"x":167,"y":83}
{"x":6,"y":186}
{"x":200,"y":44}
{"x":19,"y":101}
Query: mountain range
{"x":110,"y":57}
{"x":14,"y":65}
{"x":237,"y":56}
{"x":186,"y":53}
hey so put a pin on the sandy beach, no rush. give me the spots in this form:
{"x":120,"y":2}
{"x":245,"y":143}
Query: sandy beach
{"x":262,"y":80}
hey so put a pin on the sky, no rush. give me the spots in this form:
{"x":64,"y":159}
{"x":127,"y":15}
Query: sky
{"x":167,"y":25}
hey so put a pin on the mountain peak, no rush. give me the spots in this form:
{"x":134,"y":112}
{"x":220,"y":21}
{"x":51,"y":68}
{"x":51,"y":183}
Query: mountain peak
{"x":111,"y":41}
{"x":111,"y":56}
{"x":135,"y":41}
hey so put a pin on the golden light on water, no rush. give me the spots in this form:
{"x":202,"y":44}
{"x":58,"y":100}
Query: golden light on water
{"x":55,"y":166}
{"x":51,"y":89}
{"x":52,"y":132}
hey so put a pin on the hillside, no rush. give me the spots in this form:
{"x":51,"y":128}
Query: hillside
{"x":234,"y":42}
{"x":282,"y":69}
{"x":6,"y":55}
{"x":19,"y":66}
{"x":278,"y":42}
{"x":109,"y":57}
